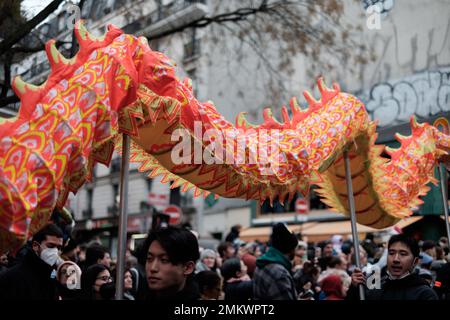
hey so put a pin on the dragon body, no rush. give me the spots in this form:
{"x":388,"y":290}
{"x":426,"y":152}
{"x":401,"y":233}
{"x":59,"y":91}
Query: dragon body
{"x":117,"y":85}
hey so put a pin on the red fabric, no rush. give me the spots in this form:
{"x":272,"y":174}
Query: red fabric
{"x":332,"y":286}
{"x":250,"y":261}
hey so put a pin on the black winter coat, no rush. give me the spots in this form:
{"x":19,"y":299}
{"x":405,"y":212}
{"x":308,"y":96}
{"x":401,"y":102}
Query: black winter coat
{"x":411,"y":287}
{"x":30,"y":279}
{"x":189,"y":293}
{"x":239,"y":290}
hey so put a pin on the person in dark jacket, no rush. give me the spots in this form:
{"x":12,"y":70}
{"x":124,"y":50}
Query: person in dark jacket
{"x":97,"y":254}
{"x":233,"y":234}
{"x":401,"y":283}
{"x":171,"y":256}
{"x":442,"y":283}
{"x":272,"y":278}
{"x":30,"y":279}
{"x":209,"y":284}
{"x":97,"y":283}
{"x":4,"y":262}
{"x":237,"y":284}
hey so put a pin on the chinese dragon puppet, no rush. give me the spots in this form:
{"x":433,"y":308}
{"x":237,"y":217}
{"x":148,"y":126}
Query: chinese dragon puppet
{"x":117,"y":85}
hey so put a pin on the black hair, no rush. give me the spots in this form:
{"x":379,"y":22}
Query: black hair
{"x":428,"y":244}
{"x":70,"y":245}
{"x":88,"y":278}
{"x":207,"y":279}
{"x":95,"y":252}
{"x":222,"y":248}
{"x":309,"y":268}
{"x":347,"y":247}
{"x":333,"y":261}
{"x":48,"y":230}
{"x":181,"y":245}
{"x":369,"y":236}
{"x":230,"y":267}
{"x":409,"y":242}
{"x":323,"y":244}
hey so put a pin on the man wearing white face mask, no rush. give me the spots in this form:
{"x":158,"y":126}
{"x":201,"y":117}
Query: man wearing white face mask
{"x":401,"y":282}
{"x":31,"y":278}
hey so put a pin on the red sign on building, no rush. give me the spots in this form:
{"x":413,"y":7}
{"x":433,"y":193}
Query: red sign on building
{"x":301,"y":206}
{"x":175,"y":213}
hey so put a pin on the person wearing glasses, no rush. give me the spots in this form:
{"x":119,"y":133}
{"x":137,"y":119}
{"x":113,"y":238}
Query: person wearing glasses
{"x":97,"y":283}
{"x":31,"y":278}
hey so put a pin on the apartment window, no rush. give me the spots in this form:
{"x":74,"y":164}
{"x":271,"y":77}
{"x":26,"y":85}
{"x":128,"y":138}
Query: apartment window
{"x":119,"y":4}
{"x":266,"y":208}
{"x":61,"y":23}
{"x":192,"y":74}
{"x":113,"y":209}
{"x":186,"y":200}
{"x":115,"y":193}
{"x":175,"y":196}
{"x":115,"y":165}
{"x":192,"y":47}
{"x":87,"y":213}
{"x":149,"y":184}
{"x":314,"y":203}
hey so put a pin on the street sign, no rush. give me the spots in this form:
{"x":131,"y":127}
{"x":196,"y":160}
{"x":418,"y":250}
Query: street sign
{"x":301,"y":206}
{"x":175,"y":214}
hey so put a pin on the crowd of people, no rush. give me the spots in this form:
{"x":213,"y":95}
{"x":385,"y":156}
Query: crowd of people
{"x":170,"y":265}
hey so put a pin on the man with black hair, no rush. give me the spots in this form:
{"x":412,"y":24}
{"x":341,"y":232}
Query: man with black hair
{"x":272,"y":278}
{"x":442,"y":283}
{"x":233,"y":234}
{"x":69,"y":251}
{"x":171,"y":256}
{"x":326,"y":255}
{"x":401,"y":283}
{"x":226,"y":250}
{"x":429,"y":247}
{"x":97,"y":254}
{"x":31,"y":278}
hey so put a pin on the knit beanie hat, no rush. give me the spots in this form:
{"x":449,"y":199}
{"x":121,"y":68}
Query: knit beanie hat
{"x":282,"y":239}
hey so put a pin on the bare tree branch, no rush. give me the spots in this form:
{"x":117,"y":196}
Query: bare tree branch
{"x":7,"y":74}
{"x":36,"y":49}
{"x":23,"y":30}
{"x":234,"y":16}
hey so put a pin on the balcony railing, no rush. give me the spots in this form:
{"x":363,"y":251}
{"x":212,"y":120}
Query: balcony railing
{"x":173,"y":15}
{"x":113,"y":210}
{"x":36,"y":70}
{"x":87,"y":213}
{"x":191,"y":50}
{"x":173,"y":7}
{"x":115,"y":165}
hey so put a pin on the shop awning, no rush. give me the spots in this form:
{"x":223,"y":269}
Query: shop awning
{"x":325,"y":230}
{"x":318,"y":231}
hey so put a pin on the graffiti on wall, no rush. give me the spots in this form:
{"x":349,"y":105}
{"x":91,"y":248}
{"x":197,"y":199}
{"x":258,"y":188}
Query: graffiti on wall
{"x":424,"y":94}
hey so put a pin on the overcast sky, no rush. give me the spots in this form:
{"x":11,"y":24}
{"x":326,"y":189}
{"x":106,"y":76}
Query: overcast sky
{"x":32,"y":7}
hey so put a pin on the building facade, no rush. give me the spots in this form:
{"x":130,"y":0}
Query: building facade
{"x":408,"y":73}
